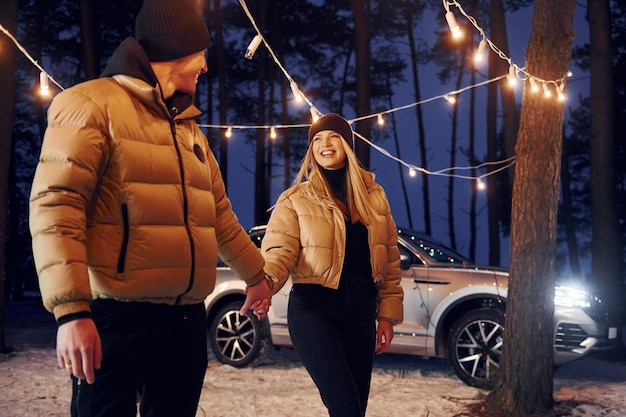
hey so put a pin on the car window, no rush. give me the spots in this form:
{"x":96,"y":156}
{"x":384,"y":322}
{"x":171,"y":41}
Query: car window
{"x":431,"y":250}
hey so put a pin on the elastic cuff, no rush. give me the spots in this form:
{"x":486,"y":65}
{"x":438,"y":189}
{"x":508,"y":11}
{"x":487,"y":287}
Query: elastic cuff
{"x":74,"y":316}
{"x":259,"y":281}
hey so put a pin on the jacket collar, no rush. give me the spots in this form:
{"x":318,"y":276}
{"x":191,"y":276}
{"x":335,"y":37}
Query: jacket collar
{"x":130,"y":66}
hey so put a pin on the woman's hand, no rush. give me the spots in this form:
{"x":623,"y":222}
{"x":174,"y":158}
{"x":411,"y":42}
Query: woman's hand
{"x":384,"y":336}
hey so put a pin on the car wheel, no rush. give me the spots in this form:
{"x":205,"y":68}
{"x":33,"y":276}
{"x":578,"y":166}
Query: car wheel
{"x":475,"y":345}
{"x":235,"y":339}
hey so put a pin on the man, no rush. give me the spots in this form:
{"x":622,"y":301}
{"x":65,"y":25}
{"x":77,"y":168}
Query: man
{"x":128,"y":215}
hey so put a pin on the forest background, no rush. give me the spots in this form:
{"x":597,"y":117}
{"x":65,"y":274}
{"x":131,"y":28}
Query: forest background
{"x":414,"y":66}
{"x":367,"y":60}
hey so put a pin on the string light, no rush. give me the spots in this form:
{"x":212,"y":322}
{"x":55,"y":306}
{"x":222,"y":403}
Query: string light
{"x":480,"y":51}
{"x":454,"y":27}
{"x":480,"y":185}
{"x":560,"y":88}
{"x":450,"y":98}
{"x":44,"y":87}
{"x":533,"y":85}
{"x":512,"y":77}
{"x":30,"y":58}
{"x":252,"y":47}
{"x":546,"y":90}
{"x":273,"y":134}
{"x":380,"y":120}
{"x":514,"y":72}
{"x":297,"y":95}
{"x":452,"y":24}
{"x":315,"y":114}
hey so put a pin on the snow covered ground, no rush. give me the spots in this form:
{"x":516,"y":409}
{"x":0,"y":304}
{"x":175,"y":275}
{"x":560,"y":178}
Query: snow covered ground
{"x":404,"y":386}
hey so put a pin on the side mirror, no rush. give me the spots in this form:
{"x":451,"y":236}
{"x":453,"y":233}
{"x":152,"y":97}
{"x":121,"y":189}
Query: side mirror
{"x":405,"y":263}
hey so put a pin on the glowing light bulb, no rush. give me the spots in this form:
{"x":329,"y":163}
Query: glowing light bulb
{"x":512,"y":77}
{"x":546,"y":90}
{"x":44,"y":87}
{"x":314,"y":114}
{"x":480,"y":52}
{"x":381,"y":120}
{"x":560,"y":92}
{"x":450,"y":98}
{"x":480,"y":184}
{"x":412,"y":172}
{"x":296,"y":91}
{"x":229,"y":132}
{"x":273,"y":134}
{"x":533,"y":84}
{"x":454,"y":26}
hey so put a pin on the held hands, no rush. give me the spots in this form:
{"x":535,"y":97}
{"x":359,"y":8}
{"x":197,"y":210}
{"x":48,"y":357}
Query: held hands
{"x":258,"y":299}
{"x":79,"y":350}
{"x":384,"y":335}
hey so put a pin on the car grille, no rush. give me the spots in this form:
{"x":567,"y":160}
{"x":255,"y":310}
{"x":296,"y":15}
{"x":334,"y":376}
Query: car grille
{"x":568,"y":337}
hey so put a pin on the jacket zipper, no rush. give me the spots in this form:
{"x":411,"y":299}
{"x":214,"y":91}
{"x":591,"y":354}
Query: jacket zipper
{"x":185,"y":212}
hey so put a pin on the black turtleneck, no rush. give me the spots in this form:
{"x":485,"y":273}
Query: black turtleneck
{"x":336,"y":179}
{"x":357,"y":256}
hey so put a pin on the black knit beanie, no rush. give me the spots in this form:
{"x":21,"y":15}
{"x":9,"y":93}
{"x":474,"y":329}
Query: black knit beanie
{"x":334,"y":122}
{"x":170,"y":29}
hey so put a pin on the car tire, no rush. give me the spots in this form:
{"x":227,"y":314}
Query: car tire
{"x":237,"y":340}
{"x":474,"y":347}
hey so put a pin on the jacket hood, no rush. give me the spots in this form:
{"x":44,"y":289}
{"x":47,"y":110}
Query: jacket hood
{"x":130,"y":59}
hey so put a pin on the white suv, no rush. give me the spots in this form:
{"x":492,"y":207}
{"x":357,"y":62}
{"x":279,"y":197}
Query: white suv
{"x":452,"y":308}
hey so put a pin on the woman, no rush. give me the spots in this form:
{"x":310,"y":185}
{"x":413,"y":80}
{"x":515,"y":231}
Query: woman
{"x":333,"y":234}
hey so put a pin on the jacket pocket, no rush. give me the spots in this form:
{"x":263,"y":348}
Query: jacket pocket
{"x":122,"y":258}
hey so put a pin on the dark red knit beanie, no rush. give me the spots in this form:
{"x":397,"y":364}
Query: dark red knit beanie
{"x":334,"y":122}
{"x":170,"y":29}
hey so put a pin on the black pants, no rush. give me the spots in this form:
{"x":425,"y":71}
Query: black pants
{"x":334,"y":334}
{"x":153,"y":353}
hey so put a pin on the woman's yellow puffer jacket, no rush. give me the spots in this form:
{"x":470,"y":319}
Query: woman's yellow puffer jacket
{"x":128,"y":202}
{"x":306,"y":236}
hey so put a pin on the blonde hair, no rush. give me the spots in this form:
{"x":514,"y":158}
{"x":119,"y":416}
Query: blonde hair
{"x":359,"y":207}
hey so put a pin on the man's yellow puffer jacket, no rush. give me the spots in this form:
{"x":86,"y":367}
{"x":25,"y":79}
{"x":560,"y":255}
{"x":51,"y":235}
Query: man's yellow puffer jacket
{"x":305,"y":239}
{"x":128,"y":202}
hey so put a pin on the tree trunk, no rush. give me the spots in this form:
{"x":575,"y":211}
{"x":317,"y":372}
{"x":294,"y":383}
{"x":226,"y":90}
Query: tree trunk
{"x":453,"y":150}
{"x":420,"y":121}
{"x":261,"y":194}
{"x":221,"y":87}
{"x":362,"y":53}
{"x":493,"y":207}
{"x":606,"y":246}
{"x":473,"y":161}
{"x":87,"y":28}
{"x":510,"y":119}
{"x":525,"y":382}
{"x":568,"y":215}
{"x":396,"y":142}
{"x":8,"y":20}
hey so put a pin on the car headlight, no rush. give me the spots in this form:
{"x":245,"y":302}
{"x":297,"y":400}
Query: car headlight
{"x":567,"y":296}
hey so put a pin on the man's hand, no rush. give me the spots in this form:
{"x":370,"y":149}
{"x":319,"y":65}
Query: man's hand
{"x":258,"y":299}
{"x":384,"y":336}
{"x":79,"y":350}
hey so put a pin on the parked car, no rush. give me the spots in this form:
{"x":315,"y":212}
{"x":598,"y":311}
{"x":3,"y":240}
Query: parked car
{"x":453,"y":309}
